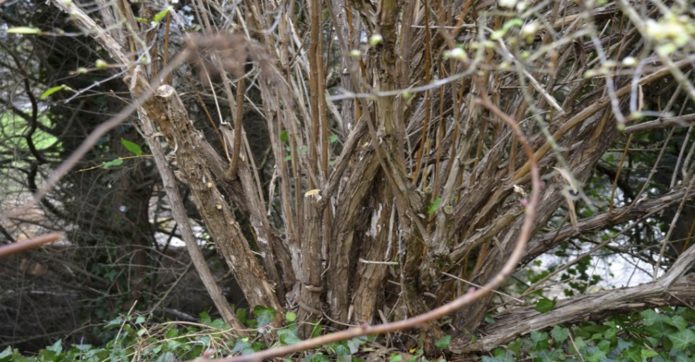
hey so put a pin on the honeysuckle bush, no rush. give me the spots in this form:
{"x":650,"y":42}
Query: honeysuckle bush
{"x":349,"y":164}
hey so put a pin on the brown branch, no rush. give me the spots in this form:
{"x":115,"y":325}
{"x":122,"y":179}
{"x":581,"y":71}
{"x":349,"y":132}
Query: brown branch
{"x":201,"y":166}
{"x":179,"y":211}
{"x":687,"y":120}
{"x":24,"y":245}
{"x":671,"y":288}
{"x":637,"y":210}
{"x":589,"y":111}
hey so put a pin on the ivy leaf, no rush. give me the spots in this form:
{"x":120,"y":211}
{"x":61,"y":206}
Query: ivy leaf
{"x":647,"y":353}
{"x":539,"y":336}
{"x":287,"y":336}
{"x":204,"y":317}
{"x":56,"y":347}
{"x":395,"y":357}
{"x":112,"y":164}
{"x":443,"y":343}
{"x":242,"y":345}
{"x":545,"y":305}
{"x":284,"y":136}
{"x":679,"y":322}
{"x":264,"y":316}
{"x":24,"y":30}
{"x":682,"y":339}
{"x":354,"y":344}
{"x":559,"y":334}
{"x":318,"y":357}
{"x":649,"y":317}
{"x":341,"y":350}
{"x":501,"y":358}
{"x":7,"y":352}
{"x":115,"y":322}
{"x":132,"y":147}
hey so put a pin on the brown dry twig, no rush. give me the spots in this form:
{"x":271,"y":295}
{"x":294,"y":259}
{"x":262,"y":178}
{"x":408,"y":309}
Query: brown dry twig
{"x":33,"y":243}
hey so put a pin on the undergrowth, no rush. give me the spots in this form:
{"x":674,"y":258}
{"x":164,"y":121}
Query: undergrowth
{"x":666,"y":334}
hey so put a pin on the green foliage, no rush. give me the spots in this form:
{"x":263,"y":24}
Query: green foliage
{"x":112,"y":163}
{"x":434,"y":205}
{"x":132,"y":147}
{"x":133,"y":337}
{"x":48,"y":92}
{"x":443,"y":343}
{"x":16,"y":128}
{"x":654,"y":334}
{"x":161,"y":14}
{"x":545,"y":305}
{"x":651,"y":335}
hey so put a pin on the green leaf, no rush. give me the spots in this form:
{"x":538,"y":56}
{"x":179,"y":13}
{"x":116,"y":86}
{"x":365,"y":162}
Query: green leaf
{"x":537,"y":337}
{"x":354,"y":344}
{"x":242,"y":345}
{"x":316,"y":330}
{"x":115,"y":322}
{"x":395,"y":357}
{"x":132,"y":147}
{"x":288,"y":336}
{"x":47,"y":93}
{"x":25,"y":30}
{"x":218,"y":323}
{"x":264,"y":316}
{"x":113,"y":163}
{"x":318,"y":357}
{"x":559,"y":334}
{"x":501,"y":358}
{"x":333,"y":138}
{"x":284,"y":136}
{"x":340,"y":349}
{"x":647,"y":353}
{"x":291,"y":316}
{"x":545,"y":305}
{"x":56,"y":347}
{"x":172,"y":332}
{"x":242,"y":314}
{"x":204,"y":317}
{"x":682,"y":339}
{"x":434,"y":206}
{"x":443,"y":343}
{"x":7,"y":352}
{"x":160,"y":15}
{"x":649,"y":317}
{"x":679,"y":322}
{"x":166,"y":357}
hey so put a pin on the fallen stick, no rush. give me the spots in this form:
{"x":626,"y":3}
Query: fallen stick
{"x":29,"y":244}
